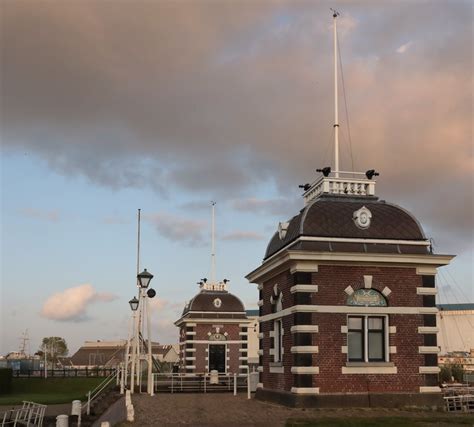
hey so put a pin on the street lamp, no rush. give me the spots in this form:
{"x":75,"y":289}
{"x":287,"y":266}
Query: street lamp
{"x":134,"y":304}
{"x":144,"y":279}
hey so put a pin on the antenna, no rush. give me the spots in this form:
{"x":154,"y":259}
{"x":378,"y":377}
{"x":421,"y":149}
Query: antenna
{"x":213,"y":243}
{"x":138,"y":241}
{"x":24,"y":346}
{"x":335,"y":14}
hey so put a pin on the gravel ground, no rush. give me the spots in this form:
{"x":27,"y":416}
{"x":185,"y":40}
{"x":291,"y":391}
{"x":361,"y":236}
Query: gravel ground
{"x":218,"y":409}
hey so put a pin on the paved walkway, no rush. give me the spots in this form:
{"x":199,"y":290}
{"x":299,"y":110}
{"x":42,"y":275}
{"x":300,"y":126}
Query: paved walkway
{"x":219,"y":409}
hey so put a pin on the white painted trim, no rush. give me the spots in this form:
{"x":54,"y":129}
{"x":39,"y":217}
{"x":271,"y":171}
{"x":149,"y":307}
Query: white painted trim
{"x":243,"y":358}
{"x":259,"y":368}
{"x":303,"y":267}
{"x":243,"y":350}
{"x":244,"y":325}
{"x":429,"y":369}
{"x":212,"y":321}
{"x":433,"y":389}
{"x":260,"y":302}
{"x":190,"y":358}
{"x":191,"y":333}
{"x":243,"y":333}
{"x":386,"y":291}
{"x":392,"y":329}
{"x":276,"y":369}
{"x":190,"y":324}
{"x":304,"y":288}
{"x":305,"y":390}
{"x":428,"y":329}
{"x":260,"y":286}
{"x":392,"y":349}
{"x":426,"y":291}
{"x":349,"y":290}
{"x":426,"y":271}
{"x":206,"y":358}
{"x":219,"y":312}
{"x":368,"y":281}
{"x":305,"y":328}
{"x":189,"y":349}
{"x":190,"y":366}
{"x":243,"y":366}
{"x":261,"y":335}
{"x":272,"y":334}
{"x":356,"y":240}
{"x":428,"y":350}
{"x":271,"y":352}
{"x":344,"y":349}
{"x":260,"y":352}
{"x":259,"y":385}
{"x":305,"y":349}
{"x":369,"y":370}
{"x":344,"y":329}
{"x":348,"y":310}
{"x":305,"y":369}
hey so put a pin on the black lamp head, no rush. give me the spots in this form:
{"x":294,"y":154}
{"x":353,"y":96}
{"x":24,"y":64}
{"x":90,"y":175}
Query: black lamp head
{"x":371,"y":173}
{"x":305,"y":187}
{"x":325,"y":171}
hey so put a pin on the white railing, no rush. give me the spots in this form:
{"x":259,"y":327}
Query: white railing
{"x":341,"y":185}
{"x":95,"y":393}
{"x":30,"y":414}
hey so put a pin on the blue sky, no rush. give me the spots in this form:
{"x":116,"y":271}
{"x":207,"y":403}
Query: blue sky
{"x":186,"y":103}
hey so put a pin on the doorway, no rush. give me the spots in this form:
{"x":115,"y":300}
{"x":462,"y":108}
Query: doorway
{"x":217,"y":357}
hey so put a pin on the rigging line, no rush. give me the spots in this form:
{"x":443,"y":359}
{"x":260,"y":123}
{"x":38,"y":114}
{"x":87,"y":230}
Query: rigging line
{"x":328,"y":145}
{"x":459,"y":288}
{"x":449,"y":287}
{"x":455,"y":322}
{"x":345,"y":104}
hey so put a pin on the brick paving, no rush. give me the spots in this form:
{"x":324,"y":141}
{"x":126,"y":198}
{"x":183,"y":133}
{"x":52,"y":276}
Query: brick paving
{"x":218,"y":409}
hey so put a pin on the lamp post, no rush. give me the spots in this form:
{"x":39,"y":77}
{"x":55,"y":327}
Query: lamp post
{"x":144,"y":279}
{"x":134,"y":303}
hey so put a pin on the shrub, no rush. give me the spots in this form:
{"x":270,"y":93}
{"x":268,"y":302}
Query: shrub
{"x":457,"y":371}
{"x":6,"y":375}
{"x":445,"y":374}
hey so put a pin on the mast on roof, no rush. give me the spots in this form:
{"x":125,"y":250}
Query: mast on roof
{"x":335,"y":14}
{"x":213,"y":243}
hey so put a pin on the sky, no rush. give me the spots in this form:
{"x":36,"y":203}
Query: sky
{"x":108,"y":107}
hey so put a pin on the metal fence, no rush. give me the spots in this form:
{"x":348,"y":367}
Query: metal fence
{"x":64,"y":373}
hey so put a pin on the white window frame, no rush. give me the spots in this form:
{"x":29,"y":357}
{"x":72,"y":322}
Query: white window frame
{"x":366,"y":337}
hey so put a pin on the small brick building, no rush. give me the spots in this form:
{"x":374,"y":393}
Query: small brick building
{"x":213,"y":332}
{"x":347,"y":303}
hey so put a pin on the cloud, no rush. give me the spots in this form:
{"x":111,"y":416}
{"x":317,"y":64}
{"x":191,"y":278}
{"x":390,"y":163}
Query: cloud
{"x":72,"y":303}
{"x":274,"y":207}
{"x":176,"y":228}
{"x":115,"y":220}
{"x":243,"y":235}
{"x":220,"y":97}
{"x":404,"y":47}
{"x":50,"y":216}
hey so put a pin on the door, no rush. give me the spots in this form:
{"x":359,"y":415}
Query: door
{"x":217,"y":357}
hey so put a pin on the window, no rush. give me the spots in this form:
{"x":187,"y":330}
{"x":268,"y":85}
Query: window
{"x":277,"y":341}
{"x":366,"y":340}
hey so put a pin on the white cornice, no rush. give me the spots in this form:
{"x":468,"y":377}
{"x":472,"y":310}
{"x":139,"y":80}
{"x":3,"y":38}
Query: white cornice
{"x":280,"y":261}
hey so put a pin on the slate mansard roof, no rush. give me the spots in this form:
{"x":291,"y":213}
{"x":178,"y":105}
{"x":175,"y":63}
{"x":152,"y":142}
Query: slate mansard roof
{"x":332,"y":217}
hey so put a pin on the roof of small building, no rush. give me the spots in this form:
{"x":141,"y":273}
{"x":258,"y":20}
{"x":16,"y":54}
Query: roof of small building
{"x":205,"y":301}
{"x":332,"y":216}
{"x":456,"y":307}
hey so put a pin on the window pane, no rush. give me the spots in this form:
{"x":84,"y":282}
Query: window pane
{"x":354,"y":346}
{"x":355,"y":323}
{"x":375,"y":346}
{"x":375,"y":323}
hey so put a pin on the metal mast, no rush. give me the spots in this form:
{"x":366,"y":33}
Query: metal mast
{"x":335,"y":14}
{"x":213,"y":243}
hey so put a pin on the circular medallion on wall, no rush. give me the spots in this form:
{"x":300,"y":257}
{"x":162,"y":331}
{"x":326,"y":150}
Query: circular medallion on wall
{"x":362,"y":217}
{"x":217,"y":303}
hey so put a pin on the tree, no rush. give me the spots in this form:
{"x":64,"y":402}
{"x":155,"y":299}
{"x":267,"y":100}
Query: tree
{"x":457,"y":371}
{"x":54,"y":347}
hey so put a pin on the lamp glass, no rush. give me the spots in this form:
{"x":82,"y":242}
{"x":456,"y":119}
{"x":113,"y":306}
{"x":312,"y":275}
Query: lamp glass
{"x":134,"y":304}
{"x":144,"y":279}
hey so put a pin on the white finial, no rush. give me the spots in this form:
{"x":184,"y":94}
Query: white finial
{"x":213,"y":244}
{"x":335,"y":14}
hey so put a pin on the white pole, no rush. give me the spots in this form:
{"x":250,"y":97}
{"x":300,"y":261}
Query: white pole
{"x":138,"y":341}
{"x":213,"y":244}
{"x":336,"y":115}
{"x":150,"y":365}
{"x":248,"y":382}
{"x":235,"y":384}
{"x":134,"y":352}
{"x":45,"y":361}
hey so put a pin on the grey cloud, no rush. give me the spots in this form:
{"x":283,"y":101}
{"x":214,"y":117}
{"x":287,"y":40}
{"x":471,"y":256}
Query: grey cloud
{"x":243,"y":235}
{"x":277,"y":207}
{"x":177,"y":229}
{"x":217,"y":98}
{"x":44,"y":215}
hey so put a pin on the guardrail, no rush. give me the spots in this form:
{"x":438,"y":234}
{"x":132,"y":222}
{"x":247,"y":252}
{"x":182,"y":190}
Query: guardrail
{"x":95,"y":393}
{"x":64,"y":373}
{"x":30,"y":414}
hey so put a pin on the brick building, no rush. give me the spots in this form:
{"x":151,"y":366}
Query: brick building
{"x":347,"y":302}
{"x":214,"y":332}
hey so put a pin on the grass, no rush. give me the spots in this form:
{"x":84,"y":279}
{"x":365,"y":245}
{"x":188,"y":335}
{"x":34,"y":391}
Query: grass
{"x":432,"y":420}
{"x":49,"y":391}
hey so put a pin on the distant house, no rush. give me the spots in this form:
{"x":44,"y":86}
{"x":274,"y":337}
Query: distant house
{"x":109,"y":354}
